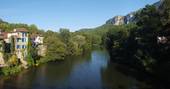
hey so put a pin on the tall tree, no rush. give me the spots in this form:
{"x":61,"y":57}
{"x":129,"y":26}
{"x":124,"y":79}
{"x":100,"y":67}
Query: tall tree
{"x":12,"y":46}
{"x":65,"y":35}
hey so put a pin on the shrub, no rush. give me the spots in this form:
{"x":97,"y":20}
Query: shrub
{"x":10,"y":70}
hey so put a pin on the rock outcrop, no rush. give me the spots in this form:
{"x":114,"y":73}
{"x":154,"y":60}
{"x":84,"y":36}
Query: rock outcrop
{"x":120,"y":20}
{"x":117,"y":20}
{"x":129,"y":18}
{"x":41,"y":50}
{"x":21,"y":58}
{"x":2,"y":63}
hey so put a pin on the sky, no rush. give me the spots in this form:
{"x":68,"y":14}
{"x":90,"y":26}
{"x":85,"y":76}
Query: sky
{"x":71,"y":14}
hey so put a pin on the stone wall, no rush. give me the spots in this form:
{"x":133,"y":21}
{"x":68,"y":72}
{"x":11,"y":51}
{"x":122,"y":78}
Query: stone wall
{"x":41,"y":50}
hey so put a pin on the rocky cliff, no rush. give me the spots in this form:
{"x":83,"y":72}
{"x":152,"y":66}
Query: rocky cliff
{"x":117,"y":20}
{"x":120,"y":20}
{"x":129,"y":18}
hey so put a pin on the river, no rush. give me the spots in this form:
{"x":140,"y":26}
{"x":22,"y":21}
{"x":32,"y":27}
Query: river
{"x":90,"y":71}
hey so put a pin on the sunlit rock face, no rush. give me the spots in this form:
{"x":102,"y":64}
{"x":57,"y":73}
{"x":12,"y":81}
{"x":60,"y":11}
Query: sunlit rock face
{"x":117,"y":20}
{"x":41,"y":50}
{"x":120,"y":20}
{"x":129,"y":18}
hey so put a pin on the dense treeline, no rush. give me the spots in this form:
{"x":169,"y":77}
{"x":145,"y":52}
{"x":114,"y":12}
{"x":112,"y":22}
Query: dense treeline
{"x":59,"y":44}
{"x":145,"y":44}
{"x":65,"y":43}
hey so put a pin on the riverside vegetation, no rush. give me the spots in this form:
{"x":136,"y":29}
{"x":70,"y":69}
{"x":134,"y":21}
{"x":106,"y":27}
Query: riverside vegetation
{"x":59,"y":45}
{"x":144,"y":45}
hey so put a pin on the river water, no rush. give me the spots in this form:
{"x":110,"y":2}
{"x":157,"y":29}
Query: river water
{"x":90,"y":71}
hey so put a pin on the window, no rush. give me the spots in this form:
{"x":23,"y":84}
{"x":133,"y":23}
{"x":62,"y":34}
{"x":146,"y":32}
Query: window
{"x":23,"y":46}
{"x":23,"y":39}
{"x":18,"y":46}
{"x":17,"y":39}
{"x":23,"y":34}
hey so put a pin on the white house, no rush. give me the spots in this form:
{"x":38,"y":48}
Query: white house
{"x":38,"y":40}
{"x":20,"y":36}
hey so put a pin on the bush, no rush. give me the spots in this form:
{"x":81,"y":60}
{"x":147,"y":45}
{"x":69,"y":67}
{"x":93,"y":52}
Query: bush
{"x":30,"y":60}
{"x":10,"y":70}
{"x":13,"y":61}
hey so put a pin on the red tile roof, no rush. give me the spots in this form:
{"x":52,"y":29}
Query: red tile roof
{"x":21,"y":30}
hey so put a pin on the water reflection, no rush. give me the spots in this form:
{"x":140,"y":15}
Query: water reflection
{"x":116,"y":79}
{"x":90,"y":71}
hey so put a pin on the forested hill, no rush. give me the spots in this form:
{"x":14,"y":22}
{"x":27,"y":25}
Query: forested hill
{"x":128,"y":21}
{"x":8,"y":27}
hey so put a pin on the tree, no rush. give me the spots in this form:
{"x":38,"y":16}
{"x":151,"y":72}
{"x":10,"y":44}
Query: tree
{"x":80,"y":40}
{"x":32,"y":53}
{"x":165,"y":11}
{"x":65,"y":35}
{"x":12,"y":46}
{"x":33,"y":28}
{"x":56,"y":49}
{"x":13,"y":61}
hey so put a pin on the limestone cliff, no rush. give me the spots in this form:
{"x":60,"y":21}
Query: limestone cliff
{"x":117,"y":20}
{"x":120,"y":20}
{"x":129,"y":18}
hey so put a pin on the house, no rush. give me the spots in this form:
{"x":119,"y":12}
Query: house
{"x":19,"y":39}
{"x":37,"y":39}
{"x":16,"y":42}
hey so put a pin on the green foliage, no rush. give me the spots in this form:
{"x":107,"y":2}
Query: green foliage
{"x":13,"y":61}
{"x":65,"y":35}
{"x":95,"y":36}
{"x":30,"y":60}
{"x":72,"y":48}
{"x":165,"y":12}
{"x":12,"y":46}
{"x":10,"y":70}
{"x":118,"y":35}
{"x":136,"y":45}
{"x":33,"y":28}
{"x":56,"y":49}
{"x":8,"y":27}
{"x":78,"y":42}
{"x":136,"y":41}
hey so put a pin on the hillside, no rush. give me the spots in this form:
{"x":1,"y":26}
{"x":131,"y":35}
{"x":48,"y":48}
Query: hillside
{"x":129,"y":18}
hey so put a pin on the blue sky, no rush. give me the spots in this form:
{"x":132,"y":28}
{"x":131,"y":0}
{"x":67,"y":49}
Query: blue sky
{"x":72,"y":14}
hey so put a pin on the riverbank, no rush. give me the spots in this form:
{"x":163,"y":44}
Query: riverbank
{"x":14,"y":70}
